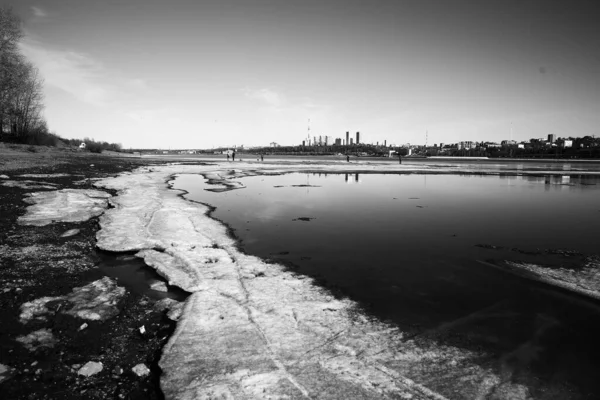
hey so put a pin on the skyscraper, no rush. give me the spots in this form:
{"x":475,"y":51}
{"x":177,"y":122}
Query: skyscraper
{"x":347,"y":138}
{"x":357,"y":137}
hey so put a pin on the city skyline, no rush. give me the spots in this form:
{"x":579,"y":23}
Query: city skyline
{"x":188,"y":74}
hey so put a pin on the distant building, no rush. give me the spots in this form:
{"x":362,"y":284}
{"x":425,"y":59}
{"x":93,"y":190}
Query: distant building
{"x":568,"y":143}
{"x":357,"y":137}
{"x":347,"y":138}
{"x":338,"y":141}
{"x":492,"y":144}
{"x":467,"y":145}
{"x":551,"y":138}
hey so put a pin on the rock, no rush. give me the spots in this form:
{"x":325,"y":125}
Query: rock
{"x":141,"y":370}
{"x":4,"y":177}
{"x":5,"y":371}
{"x":70,"y":232}
{"x":159,"y":286}
{"x":90,"y":368}
{"x":66,"y":205}
{"x":37,"y":339}
{"x":83,"y":326}
{"x":117,"y":370}
{"x":142,"y":330}
{"x":96,"y":301}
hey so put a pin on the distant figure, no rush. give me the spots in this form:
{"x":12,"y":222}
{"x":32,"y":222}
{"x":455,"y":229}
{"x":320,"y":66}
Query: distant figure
{"x":233,"y":156}
{"x":262,"y":158}
{"x":399,"y":159}
{"x":227,"y":156}
{"x":347,"y":158}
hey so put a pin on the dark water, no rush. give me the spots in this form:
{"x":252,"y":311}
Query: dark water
{"x":131,"y":272}
{"x":404,"y":247}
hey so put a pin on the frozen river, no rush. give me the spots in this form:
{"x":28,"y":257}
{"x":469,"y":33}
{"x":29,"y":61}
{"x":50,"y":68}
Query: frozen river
{"x":414,"y":249}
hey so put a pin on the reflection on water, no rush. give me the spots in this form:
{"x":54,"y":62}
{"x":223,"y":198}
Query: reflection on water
{"x":403,"y":246}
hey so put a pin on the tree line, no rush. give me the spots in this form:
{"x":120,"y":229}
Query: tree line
{"x":21,"y":86}
{"x":22,"y":94}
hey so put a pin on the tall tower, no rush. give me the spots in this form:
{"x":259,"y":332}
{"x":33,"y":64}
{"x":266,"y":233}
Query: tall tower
{"x":347,"y":138}
{"x":357,"y":137}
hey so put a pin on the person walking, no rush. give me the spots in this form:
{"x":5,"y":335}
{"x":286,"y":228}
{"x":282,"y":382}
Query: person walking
{"x":347,"y":158}
{"x":399,"y":158}
{"x":233,"y":156}
{"x":262,"y":158}
{"x":227,"y":156}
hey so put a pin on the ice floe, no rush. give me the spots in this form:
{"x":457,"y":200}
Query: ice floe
{"x":584,"y":280}
{"x":66,"y":205}
{"x":29,"y":185}
{"x":95,"y":301}
{"x":5,"y":372}
{"x":44,"y":175}
{"x":70,"y":232}
{"x":254,"y":330}
{"x":37,"y":339}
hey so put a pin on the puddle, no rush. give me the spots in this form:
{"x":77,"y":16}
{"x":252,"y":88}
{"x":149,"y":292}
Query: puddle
{"x":132,"y":273}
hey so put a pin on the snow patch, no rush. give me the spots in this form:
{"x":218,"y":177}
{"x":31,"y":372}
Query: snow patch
{"x":66,"y":205}
{"x":96,"y":301}
{"x":37,"y":339}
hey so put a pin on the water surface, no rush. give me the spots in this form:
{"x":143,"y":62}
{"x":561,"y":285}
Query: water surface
{"x":405,"y":248}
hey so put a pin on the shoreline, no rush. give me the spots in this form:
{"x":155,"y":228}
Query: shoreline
{"x":216,"y":294}
{"x":376,"y":372}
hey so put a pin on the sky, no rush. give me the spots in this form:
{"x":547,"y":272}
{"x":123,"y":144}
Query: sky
{"x":201,"y":74}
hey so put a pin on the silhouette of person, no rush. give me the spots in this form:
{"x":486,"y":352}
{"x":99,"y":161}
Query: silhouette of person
{"x":399,"y":159}
{"x":233,"y":156}
{"x":347,"y":158}
{"x":262,"y":158}
{"x":227,"y":156}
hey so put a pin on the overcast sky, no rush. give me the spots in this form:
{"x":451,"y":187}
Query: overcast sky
{"x":197,"y":74}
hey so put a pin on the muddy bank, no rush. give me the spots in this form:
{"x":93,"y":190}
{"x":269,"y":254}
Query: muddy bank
{"x":57,"y":341}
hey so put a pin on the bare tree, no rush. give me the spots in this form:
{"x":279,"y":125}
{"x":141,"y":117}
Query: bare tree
{"x":21,"y":87}
{"x":10,"y":34}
